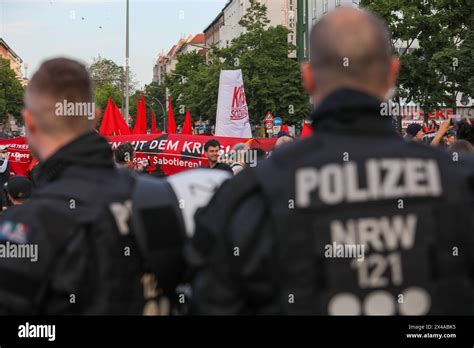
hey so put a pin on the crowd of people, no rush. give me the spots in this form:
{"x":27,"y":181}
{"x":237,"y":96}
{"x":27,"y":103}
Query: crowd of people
{"x":452,"y":135}
{"x":251,"y":233}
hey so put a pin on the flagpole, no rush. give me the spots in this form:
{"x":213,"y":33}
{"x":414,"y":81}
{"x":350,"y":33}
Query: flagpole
{"x":167,"y":92}
{"x":127,"y":77}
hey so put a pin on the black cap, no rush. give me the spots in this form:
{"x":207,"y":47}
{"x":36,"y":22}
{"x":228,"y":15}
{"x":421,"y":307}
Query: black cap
{"x":19,"y":187}
{"x":413,"y":129}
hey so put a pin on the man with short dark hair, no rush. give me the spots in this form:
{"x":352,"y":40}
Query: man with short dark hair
{"x":212,"y":150}
{"x":349,"y":220}
{"x":124,"y":155}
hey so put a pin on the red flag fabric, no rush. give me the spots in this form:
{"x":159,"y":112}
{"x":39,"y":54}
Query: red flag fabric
{"x":144,"y":120}
{"x":187,"y":125}
{"x":140,"y":123}
{"x":154,"y":130}
{"x":108,"y":125}
{"x":307,"y":130}
{"x":120,"y":124}
{"x":171,"y":126}
{"x":113,"y":122}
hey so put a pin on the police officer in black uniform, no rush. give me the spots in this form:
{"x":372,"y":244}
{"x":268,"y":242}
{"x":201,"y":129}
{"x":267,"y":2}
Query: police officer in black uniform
{"x":351,"y":221}
{"x":93,"y":239}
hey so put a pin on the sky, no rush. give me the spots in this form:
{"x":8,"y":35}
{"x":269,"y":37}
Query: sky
{"x":83,"y":29}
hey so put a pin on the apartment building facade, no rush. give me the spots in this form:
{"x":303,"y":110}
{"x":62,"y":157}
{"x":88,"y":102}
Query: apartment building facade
{"x":16,"y":62}
{"x":166,"y":63}
{"x":279,"y":12}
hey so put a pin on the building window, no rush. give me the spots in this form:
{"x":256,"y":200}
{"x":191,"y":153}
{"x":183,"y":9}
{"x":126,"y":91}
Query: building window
{"x":325,"y":7}
{"x":338,"y":3}
{"x":315,"y":12}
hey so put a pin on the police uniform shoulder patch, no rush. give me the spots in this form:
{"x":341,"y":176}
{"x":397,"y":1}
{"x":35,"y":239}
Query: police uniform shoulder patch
{"x":13,"y":231}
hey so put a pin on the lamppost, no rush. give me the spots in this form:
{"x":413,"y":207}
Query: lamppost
{"x":162,"y":108}
{"x":184,"y":79}
{"x":127,"y":73}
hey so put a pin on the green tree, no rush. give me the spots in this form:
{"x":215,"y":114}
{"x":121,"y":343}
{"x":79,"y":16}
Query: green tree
{"x":185,"y":86}
{"x":11,"y":93}
{"x":255,"y":19}
{"x":108,"y":77}
{"x":109,"y":81}
{"x":433,"y":73}
{"x":102,"y":93}
{"x":456,"y":58}
{"x":106,"y":71}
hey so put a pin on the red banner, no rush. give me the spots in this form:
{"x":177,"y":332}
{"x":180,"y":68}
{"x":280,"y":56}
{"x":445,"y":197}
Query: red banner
{"x":19,"y":155}
{"x":167,"y":154}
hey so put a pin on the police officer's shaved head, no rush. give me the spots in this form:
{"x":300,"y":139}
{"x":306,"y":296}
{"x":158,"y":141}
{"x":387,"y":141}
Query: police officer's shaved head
{"x":58,"y":104}
{"x":352,"y":48}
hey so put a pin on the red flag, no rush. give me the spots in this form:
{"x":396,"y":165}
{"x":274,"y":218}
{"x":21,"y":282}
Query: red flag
{"x":140,"y":123}
{"x":120,"y":124}
{"x":171,"y":127}
{"x":187,"y":125}
{"x":307,"y":130}
{"x":113,"y":122}
{"x":154,"y":130}
{"x":284,"y":128}
{"x":144,"y":126}
{"x":108,"y":125}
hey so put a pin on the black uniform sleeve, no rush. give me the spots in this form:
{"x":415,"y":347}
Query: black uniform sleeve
{"x":21,"y":263}
{"x":231,"y":252}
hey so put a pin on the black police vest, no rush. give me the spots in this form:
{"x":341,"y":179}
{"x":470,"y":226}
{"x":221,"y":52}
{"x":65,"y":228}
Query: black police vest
{"x":122,"y":258}
{"x":377,"y":232}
